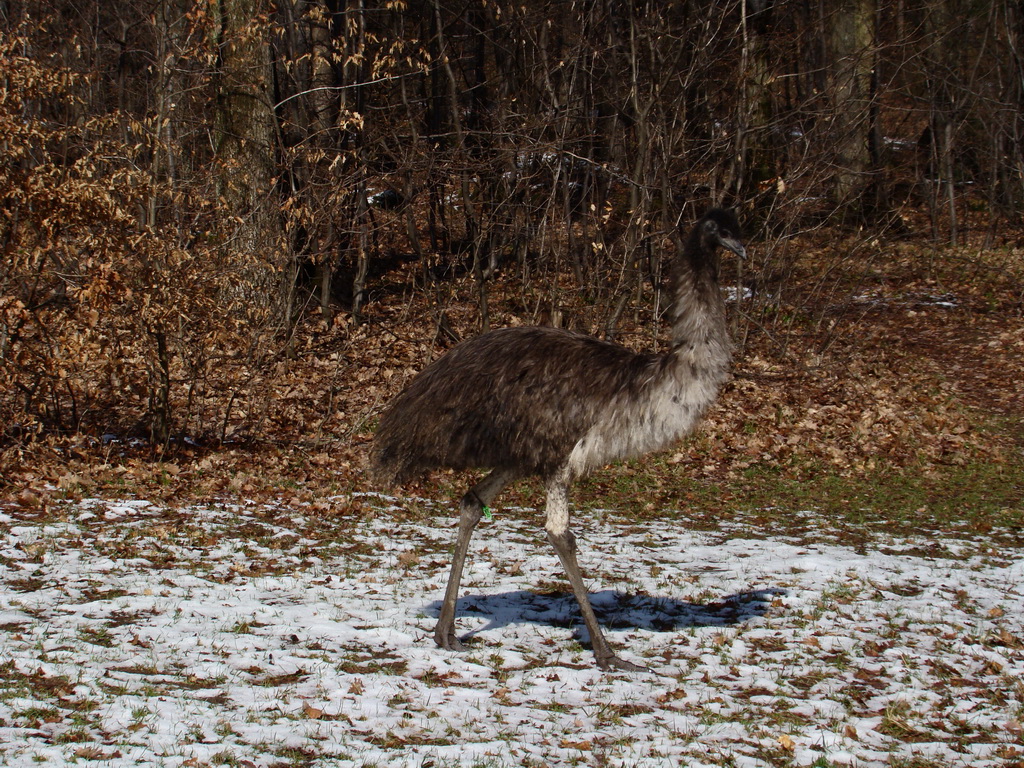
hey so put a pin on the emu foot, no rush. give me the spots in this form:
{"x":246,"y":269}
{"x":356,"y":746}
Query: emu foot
{"x":445,"y":638}
{"x":614,"y":662}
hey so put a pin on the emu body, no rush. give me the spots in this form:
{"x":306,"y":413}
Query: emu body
{"x":557,"y":404}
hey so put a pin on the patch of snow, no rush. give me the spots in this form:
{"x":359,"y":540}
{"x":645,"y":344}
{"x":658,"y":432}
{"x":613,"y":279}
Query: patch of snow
{"x":134,"y":635}
{"x":946,"y":301}
{"x":732,"y":293}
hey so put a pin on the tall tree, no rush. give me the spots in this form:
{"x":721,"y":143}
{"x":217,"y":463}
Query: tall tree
{"x":245,"y":152}
{"x":851,"y":38}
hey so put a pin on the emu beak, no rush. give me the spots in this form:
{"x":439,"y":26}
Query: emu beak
{"x":734,"y":245}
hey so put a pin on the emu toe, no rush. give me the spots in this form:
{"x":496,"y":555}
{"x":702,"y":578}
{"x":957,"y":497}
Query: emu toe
{"x":614,"y":662}
{"x":445,"y":638}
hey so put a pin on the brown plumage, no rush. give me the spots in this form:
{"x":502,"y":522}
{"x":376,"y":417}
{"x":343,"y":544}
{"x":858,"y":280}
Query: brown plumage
{"x":557,"y":404}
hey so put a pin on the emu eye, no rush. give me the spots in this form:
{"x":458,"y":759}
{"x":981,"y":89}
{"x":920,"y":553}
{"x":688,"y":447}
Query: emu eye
{"x":724,"y":233}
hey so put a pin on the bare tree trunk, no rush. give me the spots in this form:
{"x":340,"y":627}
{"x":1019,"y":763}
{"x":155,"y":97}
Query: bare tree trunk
{"x":852,"y":38}
{"x":754,"y":156}
{"x":160,"y":393}
{"x":1008,"y":159}
{"x":246,"y":158}
{"x":362,"y":238}
{"x":475,"y":234}
{"x":944,"y":70}
{"x":322,"y":77}
{"x":353,"y":96}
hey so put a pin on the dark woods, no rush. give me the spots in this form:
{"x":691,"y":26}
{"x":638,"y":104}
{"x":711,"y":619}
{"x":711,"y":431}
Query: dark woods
{"x":183,"y":186}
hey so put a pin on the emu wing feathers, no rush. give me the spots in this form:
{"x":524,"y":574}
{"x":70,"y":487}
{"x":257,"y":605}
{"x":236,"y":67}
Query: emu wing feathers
{"x":516,"y":397}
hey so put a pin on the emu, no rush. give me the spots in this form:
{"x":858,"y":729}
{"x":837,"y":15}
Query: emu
{"x":539,"y":401}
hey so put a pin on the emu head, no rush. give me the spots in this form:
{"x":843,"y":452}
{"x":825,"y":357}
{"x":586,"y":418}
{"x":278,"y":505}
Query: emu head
{"x":720,"y":229}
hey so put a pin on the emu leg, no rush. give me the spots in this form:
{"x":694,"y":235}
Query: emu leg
{"x":564,"y":543}
{"x":471,"y":510}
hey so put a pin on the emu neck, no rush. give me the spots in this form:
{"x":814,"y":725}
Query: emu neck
{"x":699,"y":334}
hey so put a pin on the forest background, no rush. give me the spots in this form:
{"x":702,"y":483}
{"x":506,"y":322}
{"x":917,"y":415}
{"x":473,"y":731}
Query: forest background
{"x":232,"y":230}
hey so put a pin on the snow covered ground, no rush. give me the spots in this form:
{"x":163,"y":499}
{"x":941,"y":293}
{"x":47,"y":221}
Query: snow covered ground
{"x":263,"y":635}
